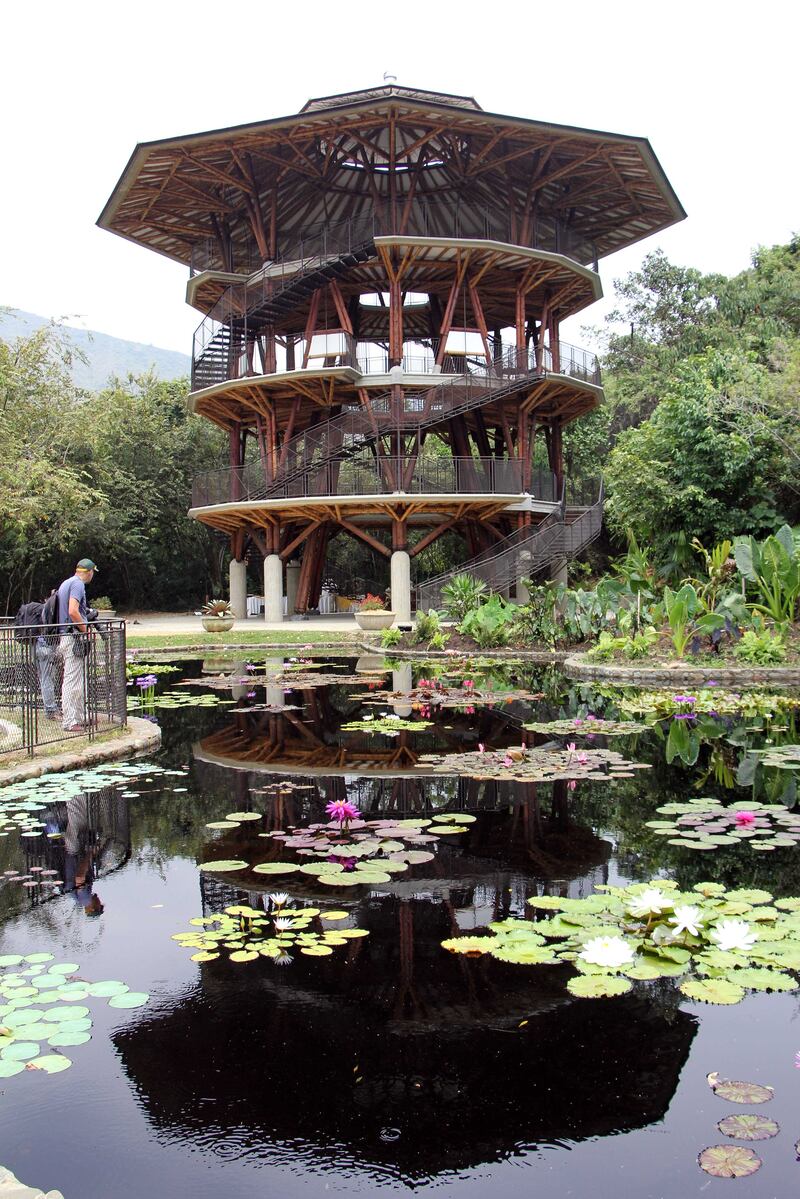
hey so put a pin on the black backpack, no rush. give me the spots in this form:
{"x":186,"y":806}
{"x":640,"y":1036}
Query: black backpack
{"x":34,"y":619}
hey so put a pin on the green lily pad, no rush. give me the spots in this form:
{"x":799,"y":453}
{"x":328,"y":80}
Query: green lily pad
{"x":712,"y":990}
{"x":749,"y":1128}
{"x":276,"y":868}
{"x":522,"y":953}
{"x":222,"y":824}
{"x":598,"y":986}
{"x":751,"y":895}
{"x":51,"y":1063}
{"x":243,"y":955}
{"x":243,"y":816}
{"x":63,"y":1039}
{"x":735,"y":1091}
{"x":64,"y":968}
{"x":20,"y":1051}
{"x":107,"y":987}
{"x":39,"y":957}
{"x":224,"y":866}
{"x":9,"y":1068}
{"x":471,"y":947}
{"x":765,"y":980}
{"x":729,"y":1161}
{"x":316,"y":951}
{"x":130,"y":999}
{"x":10,"y":959}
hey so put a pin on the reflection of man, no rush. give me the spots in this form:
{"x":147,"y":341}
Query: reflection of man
{"x":79,"y":856}
{"x":74,"y":644}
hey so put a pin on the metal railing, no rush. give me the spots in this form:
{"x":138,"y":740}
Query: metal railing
{"x":425,"y":218}
{"x":55,"y":688}
{"x":226,"y":341}
{"x":343,"y":437}
{"x":526,"y":552}
{"x":364,"y":475}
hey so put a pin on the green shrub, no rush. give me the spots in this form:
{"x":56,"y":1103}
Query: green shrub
{"x":390,"y":637}
{"x":762,"y":649}
{"x":489,"y":625}
{"x":427,"y":625}
{"x":439,"y":640}
{"x":462,"y":595}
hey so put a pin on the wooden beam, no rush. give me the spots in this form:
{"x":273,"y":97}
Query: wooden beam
{"x":369,"y":540}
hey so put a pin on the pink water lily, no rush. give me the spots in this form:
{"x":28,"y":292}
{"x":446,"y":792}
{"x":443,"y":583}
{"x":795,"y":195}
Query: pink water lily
{"x":481,"y":748}
{"x":342,"y":810}
{"x":745,"y":819}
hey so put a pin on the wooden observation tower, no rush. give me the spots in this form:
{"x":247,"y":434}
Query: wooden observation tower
{"x":381,"y":279}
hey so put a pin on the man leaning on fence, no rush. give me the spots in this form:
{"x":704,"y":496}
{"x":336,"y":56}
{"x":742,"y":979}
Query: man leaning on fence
{"x":74,"y":644}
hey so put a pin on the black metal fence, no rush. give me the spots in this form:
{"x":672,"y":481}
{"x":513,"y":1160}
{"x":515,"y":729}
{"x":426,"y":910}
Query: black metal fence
{"x":59,"y":687}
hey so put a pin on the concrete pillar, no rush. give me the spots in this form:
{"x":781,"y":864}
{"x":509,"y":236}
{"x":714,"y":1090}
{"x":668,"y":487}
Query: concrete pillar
{"x":292,"y":581}
{"x":402,"y":681}
{"x":400,"y":583}
{"x":274,"y":692}
{"x":238,"y":588}
{"x":273,"y":589}
{"x":523,"y":572}
{"x":558,"y":571}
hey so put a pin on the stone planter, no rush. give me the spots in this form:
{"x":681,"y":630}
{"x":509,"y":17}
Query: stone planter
{"x":371,"y":622}
{"x":217,"y":624}
{"x":106,"y":614}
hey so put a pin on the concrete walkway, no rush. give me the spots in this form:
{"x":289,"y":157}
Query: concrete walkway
{"x":162,"y":624}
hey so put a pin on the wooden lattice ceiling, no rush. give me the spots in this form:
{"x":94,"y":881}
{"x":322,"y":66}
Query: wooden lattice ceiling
{"x":256,"y":187}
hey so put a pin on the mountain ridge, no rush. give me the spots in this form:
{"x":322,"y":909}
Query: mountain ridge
{"x":105,"y":355}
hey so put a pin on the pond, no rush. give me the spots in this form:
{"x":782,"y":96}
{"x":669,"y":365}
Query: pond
{"x":345,"y":1049}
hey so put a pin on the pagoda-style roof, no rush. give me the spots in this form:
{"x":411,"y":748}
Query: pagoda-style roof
{"x":238,"y":196}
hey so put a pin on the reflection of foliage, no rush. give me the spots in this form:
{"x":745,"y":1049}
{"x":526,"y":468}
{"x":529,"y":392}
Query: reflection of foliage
{"x":390,"y":726}
{"x":587,"y":726}
{"x":722,"y":943}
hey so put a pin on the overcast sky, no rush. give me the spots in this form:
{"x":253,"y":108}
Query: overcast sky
{"x":713,"y":85}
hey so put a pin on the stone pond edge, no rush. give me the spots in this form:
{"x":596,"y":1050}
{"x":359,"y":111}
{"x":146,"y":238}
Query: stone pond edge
{"x":140,"y":736}
{"x":578,"y":666}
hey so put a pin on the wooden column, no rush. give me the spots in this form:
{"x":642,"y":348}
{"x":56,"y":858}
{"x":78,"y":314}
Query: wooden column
{"x":235,"y":461}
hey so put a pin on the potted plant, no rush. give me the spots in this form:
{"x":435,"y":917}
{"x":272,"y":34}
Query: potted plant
{"x":105,"y":607}
{"x":372,"y":614}
{"x":217,"y":616}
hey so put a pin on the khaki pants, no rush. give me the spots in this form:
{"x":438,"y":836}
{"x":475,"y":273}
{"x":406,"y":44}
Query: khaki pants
{"x":73,"y":689}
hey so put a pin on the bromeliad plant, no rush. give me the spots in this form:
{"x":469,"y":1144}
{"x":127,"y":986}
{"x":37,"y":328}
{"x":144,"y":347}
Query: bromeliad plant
{"x":721,"y":943}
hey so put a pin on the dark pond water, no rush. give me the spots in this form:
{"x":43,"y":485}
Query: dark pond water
{"x":389,"y":1065}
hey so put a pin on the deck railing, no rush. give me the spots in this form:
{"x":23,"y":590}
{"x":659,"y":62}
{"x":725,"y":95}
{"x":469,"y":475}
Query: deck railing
{"x":362,"y":475}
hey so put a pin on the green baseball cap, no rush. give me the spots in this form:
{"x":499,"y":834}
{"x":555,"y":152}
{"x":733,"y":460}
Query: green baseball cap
{"x":86,"y":564}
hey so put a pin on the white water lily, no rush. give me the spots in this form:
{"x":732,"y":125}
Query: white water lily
{"x":650,"y":902}
{"x":279,"y":899}
{"x":282,"y":924}
{"x":611,"y":952}
{"x":687,"y":919}
{"x":733,"y":934}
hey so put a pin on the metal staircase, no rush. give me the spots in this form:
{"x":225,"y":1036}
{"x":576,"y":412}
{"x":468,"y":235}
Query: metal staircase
{"x":564,"y":533}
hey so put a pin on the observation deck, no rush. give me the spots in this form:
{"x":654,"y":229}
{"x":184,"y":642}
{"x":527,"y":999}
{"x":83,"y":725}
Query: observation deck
{"x":382,"y":278}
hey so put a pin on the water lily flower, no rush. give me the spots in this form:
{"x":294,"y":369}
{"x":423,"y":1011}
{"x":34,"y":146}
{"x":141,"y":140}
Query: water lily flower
{"x":283,"y":959}
{"x":684,"y":699}
{"x":582,"y":758}
{"x":468,"y":684}
{"x":611,"y":952}
{"x":733,"y":934}
{"x":282,"y":924}
{"x":469,"y":710}
{"x":651,"y":902}
{"x":571,"y":747}
{"x":481,"y":748}
{"x":577,"y":721}
{"x":797,"y":1060}
{"x":342,"y":810}
{"x":687,"y":919}
{"x":590,"y":716}
{"x":278,"y":899}
{"x":507,"y":761}
{"x":745,"y":819}
{"x":572,"y":784}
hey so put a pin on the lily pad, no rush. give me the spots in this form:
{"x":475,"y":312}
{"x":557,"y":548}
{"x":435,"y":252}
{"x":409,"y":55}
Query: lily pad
{"x":107,"y":988}
{"x":276,"y":868}
{"x":8,"y":1068}
{"x":317,"y":951}
{"x":598,"y":986}
{"x":712,"y":990}
{"x":50,"y":1063}
{"x":471,"y":947}
{"x":129,"y":999}
{"x":729,"y":1161}
{"x":62,"y":1040}
{"x":20,"y":1051}
{"x":735,"y":1091}
{"x":244,"y":955}
{"x":224,"y":866}
{"x":749,"y":1128}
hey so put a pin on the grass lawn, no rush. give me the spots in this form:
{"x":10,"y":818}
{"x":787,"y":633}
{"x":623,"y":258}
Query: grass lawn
{"x":233,"y":638}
